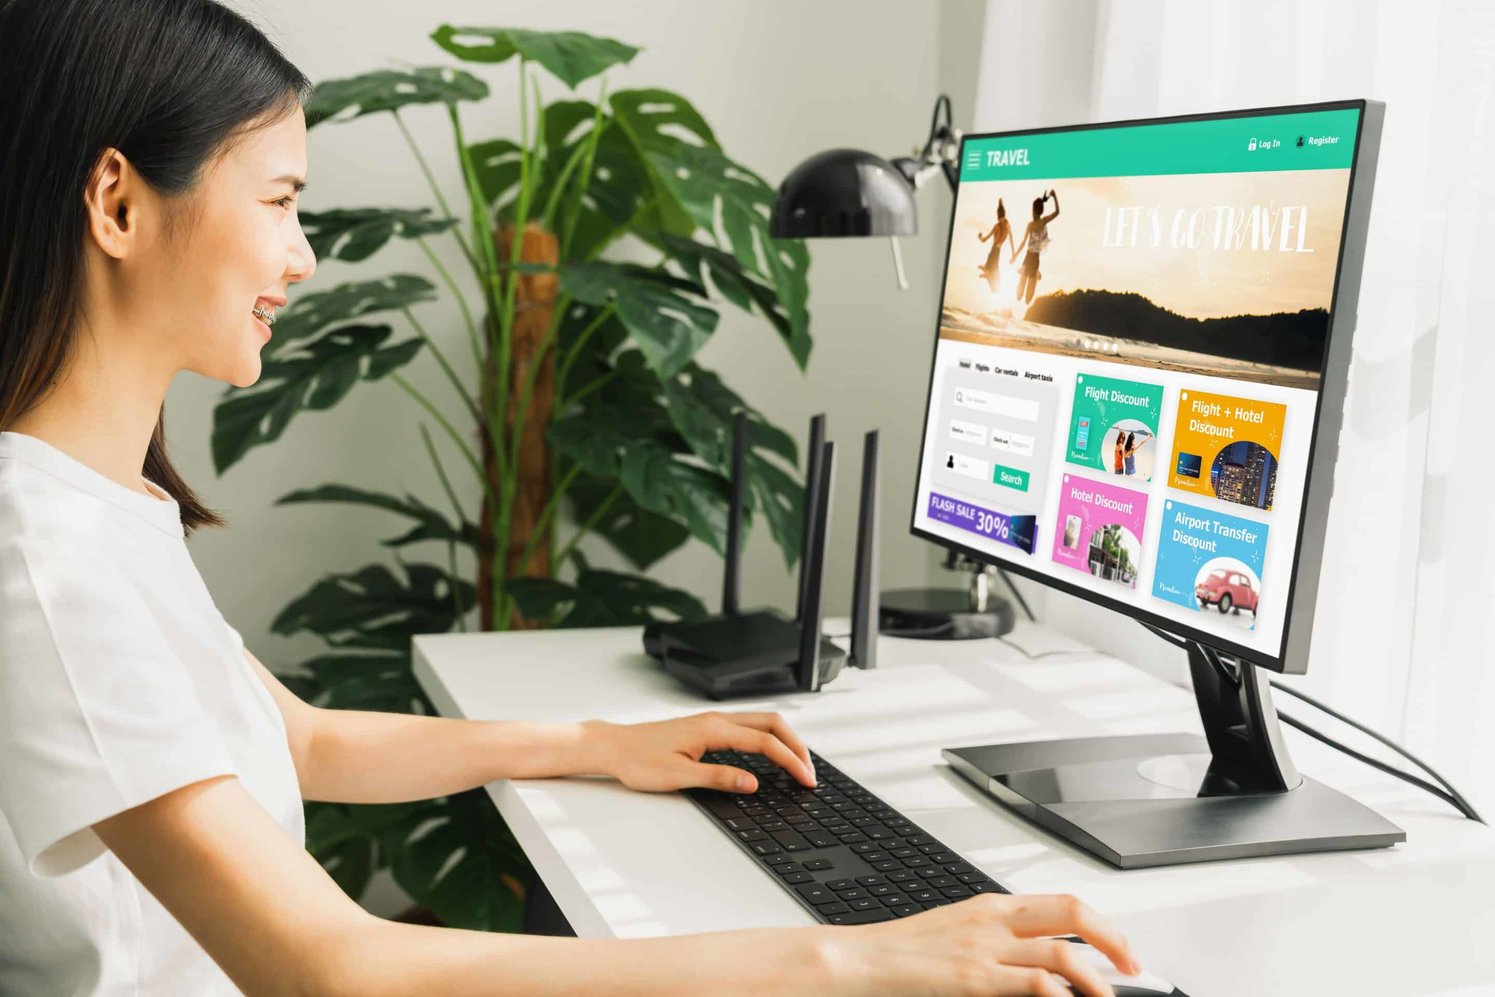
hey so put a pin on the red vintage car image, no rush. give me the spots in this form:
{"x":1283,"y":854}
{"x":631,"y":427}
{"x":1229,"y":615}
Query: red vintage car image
{"x":1226,"y":590}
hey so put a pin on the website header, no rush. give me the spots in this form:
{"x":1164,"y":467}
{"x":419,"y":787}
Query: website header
{"x":1310,"y":140}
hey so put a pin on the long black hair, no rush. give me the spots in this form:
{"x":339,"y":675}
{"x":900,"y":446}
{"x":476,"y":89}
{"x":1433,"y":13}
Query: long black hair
{"x":168,"y":83}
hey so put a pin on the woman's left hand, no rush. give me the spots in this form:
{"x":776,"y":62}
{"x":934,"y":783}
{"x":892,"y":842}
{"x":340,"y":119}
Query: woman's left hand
{"x":666,"y":754}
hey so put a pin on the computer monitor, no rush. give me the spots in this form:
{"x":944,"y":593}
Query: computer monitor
{"x":1138,"y":381}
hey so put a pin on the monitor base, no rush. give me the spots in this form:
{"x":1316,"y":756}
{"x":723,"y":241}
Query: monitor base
{"x":1150,"y":800}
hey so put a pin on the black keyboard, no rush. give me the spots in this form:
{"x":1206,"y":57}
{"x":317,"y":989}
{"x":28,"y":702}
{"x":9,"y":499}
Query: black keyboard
{"x":845,"y":855}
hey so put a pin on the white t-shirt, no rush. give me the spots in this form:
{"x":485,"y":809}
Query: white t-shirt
{"x":119,"y":681}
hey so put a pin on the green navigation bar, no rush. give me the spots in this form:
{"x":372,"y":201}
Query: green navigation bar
{"x":1310,"y":140}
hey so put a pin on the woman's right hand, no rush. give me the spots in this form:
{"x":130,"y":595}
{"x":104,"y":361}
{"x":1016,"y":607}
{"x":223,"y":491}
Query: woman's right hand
{"x":988,"y":944}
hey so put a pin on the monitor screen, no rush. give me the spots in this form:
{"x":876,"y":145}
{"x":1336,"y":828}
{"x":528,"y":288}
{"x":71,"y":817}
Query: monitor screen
{"x":1131,"y":342}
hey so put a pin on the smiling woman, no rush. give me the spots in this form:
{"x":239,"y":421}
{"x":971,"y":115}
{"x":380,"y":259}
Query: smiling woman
{"x":152,"y":771}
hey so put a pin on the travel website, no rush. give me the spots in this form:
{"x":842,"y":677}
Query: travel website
{"x":1131,"y":336}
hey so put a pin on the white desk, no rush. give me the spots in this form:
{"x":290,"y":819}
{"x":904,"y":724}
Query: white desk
{"x":1415,"y":919}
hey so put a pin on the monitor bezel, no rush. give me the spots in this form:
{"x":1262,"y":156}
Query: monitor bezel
{"x":1333,"y":377}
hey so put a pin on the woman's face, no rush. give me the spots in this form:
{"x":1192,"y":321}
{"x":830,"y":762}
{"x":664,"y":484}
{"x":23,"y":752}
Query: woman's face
{"x":241,"y":246}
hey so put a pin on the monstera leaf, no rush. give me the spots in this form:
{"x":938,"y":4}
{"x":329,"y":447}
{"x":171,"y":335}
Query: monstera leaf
{"x":571,"y":56}
{"x":317,"y":377}
{"x":429,"y":524}
{"x":355,"y":234}
{"x":310,"y":313}
{"x":640,"y":535}
{"x":602,"y":599}
{"x":373,"y":608}
{"x":663,"y":313}
{"x":746,"y":289}
{"x":390,"y":90}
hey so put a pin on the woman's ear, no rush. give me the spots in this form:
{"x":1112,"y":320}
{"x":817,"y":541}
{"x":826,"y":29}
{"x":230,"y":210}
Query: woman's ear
{"x":110,"y":205}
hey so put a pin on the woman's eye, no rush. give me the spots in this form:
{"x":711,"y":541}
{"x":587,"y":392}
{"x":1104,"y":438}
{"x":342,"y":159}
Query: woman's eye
{"x":284,"y":202}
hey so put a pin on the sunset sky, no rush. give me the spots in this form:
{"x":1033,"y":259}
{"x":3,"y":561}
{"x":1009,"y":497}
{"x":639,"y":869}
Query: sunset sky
{"x":1199,"y":283}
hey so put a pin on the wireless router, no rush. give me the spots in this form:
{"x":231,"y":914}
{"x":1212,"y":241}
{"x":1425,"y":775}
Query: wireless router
{"x":762,"y":652}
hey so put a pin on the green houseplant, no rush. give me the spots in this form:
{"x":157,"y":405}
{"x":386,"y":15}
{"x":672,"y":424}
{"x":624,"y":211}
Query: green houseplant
{"x":590,"y":416}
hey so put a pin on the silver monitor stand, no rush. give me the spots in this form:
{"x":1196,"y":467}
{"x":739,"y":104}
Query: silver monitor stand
{"x":1169,"y":799}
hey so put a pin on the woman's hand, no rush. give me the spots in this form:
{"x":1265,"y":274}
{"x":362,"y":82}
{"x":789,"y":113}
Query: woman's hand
{"x":987,"y":944}
{"x":665,"y":754}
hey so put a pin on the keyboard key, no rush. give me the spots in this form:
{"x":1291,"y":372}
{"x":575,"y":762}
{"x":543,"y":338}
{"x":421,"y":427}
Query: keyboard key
{"x":956,"y":891}
{"x":972,"y":877}
{"x":820,"y":839}
{"x":866,"y":846}
{"x":986,"y":888}
{"x":886,"y":865}
{"x":904,"y":910}
{"x":852,"y":894}
{"x":766,"y":847}
{"x":833,"y":908}
{"x":902,"y":876}
{"x":817,"y":865}
{"x":871,"y":880}
{"x":877,"y":832}
{"x":875,"y":856}
{"x":924,"y":896}
{"x":793,"y":878}
{"x":815,"y":893}
{"x":921,"y":839}
{"x":864,"y":903}
{"x":933,"y":848}
{"x":752,"y":836}
{"x":862,"y":916}
{"x":841,"y":884}
{"x":917,"y":862}
{"x":938,"y":881}
{"x":721,"y":806}
{"x":902,"y":853}
{"x":956,"y":868}
{"x":854,"y":837}
{"x":791,"y":840}
{"x":893,"y":900}
{"x":882,"y":889}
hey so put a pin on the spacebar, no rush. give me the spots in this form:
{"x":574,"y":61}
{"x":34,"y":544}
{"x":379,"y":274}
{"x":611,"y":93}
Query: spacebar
{"x":861,"y":916}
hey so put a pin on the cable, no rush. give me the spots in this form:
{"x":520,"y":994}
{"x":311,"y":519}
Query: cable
{"x":1452,"y":797}
{"x":1034,"y":656}
{"x":1462,"y":808}
{"x":1027,"y":610}
{"x":1362,"y":728}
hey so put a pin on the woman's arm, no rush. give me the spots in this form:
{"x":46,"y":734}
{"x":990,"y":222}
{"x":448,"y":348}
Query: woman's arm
{"x":356,"y":756}
{"x":276,"y":923}
{"x":1020,"y":245}
{"x":1055,"y":213}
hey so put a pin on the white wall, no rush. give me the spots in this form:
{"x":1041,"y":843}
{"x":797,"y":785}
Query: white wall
{"x":778,"y":80}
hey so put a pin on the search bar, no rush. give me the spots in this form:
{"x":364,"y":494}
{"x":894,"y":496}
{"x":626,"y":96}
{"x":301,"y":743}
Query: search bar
{"x":1022,"y":409}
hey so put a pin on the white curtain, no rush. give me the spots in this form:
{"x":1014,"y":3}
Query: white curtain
{"x":1405,"y":621}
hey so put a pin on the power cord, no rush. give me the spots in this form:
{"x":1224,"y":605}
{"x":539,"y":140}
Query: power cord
{"x":1447,"y":792}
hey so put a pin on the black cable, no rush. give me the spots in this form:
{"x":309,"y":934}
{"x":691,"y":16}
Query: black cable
{"x":1362,"y":728}
{"x":1462,"y":808}
{"x":1027,"y":610}
{"x":1452,"y":797}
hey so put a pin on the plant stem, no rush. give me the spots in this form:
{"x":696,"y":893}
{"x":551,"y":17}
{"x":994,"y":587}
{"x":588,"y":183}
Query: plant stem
{"x":425,"y":403}
{"x":548,"y":513}
{"x":591,"y":521}
{"x":446,"y":276}
{"x":581,"y":341}
{"x":586,"y":171}
{"x":585,"y":390}
{"x":471,"y":402}
{"x":451,"y":545}
{"x":435,"y":189}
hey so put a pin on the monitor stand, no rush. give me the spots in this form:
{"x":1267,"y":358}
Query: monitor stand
{"x":1169,"y":799}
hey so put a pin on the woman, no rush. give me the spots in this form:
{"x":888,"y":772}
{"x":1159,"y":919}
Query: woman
{"x":1134,"y":441}
{"x":1118,"y":459}
{"x":991,"y":269}
{"x":1036,"y":239}
{"x":152,"y":771}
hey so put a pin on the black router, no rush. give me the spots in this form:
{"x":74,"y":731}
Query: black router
{"x":762,"y":651}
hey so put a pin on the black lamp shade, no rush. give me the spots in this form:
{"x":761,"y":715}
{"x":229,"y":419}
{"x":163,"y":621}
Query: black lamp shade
{"x":843,"y":192}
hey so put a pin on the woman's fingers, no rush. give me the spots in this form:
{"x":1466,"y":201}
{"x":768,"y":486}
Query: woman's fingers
{"x":757,"y":742}
{"x":1062,"y":914}
{"x":1058,"y":956}
{"x":776,"y":725}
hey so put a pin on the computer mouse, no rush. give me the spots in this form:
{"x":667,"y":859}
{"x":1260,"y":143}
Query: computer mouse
{"x":1144,"y":984}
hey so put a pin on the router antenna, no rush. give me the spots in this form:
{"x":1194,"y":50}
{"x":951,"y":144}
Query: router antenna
{"x":864,"y":599}
{"x":807,"y":524}
{"x":814,"y":563}
{"x":732,"y":571}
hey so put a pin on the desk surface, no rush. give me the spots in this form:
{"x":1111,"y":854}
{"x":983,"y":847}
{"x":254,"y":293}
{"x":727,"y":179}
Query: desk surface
{"x":1418,"y":918}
